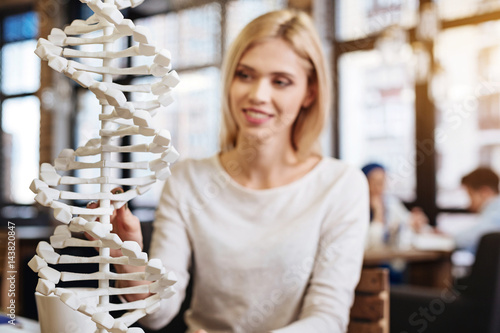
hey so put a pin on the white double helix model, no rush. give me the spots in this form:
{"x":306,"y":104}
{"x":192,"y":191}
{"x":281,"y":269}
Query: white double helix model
{"x":119,"y":117}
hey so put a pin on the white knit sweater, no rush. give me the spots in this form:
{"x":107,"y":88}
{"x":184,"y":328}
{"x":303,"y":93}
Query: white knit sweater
{"x":285,"y":259}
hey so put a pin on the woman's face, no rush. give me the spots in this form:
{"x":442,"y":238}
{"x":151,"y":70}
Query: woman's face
{"x":376,"y":182}
{"x":269,"y":88}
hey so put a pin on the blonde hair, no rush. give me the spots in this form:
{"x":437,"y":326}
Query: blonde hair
{"x":297,"y":29}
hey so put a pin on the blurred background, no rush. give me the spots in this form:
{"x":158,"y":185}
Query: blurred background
{"x":417,"y":88}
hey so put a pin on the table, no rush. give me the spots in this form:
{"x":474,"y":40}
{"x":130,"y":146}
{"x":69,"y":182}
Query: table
{"x":425,"y":267}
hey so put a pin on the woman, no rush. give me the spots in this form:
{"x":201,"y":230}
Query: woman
{"x":271,"y":232}
{"x":391,"y":224}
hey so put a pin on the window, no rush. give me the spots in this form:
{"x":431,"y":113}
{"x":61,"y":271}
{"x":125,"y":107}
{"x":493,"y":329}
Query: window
{"x":357,"y":19}
{"x":452,"y":9}
{"x":19,"y":107}
{"x":435,"y":122}
{"x":380,"y":126}
{"x":20,"y":124}
{"x":468,"y":109}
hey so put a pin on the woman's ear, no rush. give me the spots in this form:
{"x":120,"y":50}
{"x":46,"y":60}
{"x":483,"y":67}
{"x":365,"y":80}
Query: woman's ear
{"x":311,"y":94}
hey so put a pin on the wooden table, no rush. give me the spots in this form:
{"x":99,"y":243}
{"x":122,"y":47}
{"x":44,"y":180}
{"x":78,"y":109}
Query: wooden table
{"x":425,"y":268}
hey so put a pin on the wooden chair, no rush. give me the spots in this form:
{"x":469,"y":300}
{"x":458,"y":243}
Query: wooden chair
{"x":370,"y":311}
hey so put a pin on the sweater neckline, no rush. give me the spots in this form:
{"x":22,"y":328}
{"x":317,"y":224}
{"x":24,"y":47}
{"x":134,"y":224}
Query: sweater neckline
{"x":286,"y":187}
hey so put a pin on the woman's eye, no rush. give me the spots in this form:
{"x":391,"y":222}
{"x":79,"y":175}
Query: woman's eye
{"x":282,"y":83}
{"x":243,"y":75}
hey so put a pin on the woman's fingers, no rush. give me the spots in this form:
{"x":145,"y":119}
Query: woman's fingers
{"x":129,"y":222}
{"x":125,"y":224}
{"x":93,"y":204}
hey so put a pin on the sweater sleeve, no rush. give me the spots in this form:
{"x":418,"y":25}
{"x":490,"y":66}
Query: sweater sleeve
{"x":470,"y":237}
{"x":337,"y":265}
{"x":170,"y":243}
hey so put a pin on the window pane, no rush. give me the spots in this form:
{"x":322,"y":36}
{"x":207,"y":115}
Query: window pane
{"x":20,"y":27}
{"x":160,"y":26}
{"x":193,"y":120}
{"x":452,"y":9}
{"x":196,"y":40}
{"x":468,"y":107}
{"x":361,"y":18}
{"x":377,"y":117}
{"x":20,"y":68}
{"x":21,"y":126}
{"x":239,"y":13}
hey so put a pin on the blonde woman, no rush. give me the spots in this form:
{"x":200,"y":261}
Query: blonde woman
{"x":270,"y":231}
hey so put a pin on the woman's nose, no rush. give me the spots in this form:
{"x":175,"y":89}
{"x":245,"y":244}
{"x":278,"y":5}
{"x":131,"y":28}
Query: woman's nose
{"x":260,"y":92}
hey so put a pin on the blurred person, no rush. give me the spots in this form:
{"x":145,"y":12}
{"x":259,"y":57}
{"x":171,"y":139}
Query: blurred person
{"x":391,"y":223}
{"x":482,"y":188}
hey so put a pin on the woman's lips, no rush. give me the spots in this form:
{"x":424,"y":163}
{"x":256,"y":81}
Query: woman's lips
{"x":257,"y":117}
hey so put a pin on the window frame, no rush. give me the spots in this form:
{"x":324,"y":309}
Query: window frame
{"x":425,"y":111}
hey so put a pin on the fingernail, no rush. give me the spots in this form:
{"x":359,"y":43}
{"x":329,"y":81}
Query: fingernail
{"x":91,"y":203}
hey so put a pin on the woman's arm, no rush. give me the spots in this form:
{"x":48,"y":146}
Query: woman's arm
{"x":338,"y":263}
{"x":171,"y":244}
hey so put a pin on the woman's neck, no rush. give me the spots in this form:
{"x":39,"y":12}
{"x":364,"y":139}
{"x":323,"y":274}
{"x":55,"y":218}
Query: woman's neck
{"x":262,"y":165}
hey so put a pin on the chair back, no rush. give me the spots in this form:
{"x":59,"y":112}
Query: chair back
{"x":370,"y":311}
{"x":483,"y":286}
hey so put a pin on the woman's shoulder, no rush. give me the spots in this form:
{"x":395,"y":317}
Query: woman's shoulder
{"x":338,"y":170}
{"x":194,"y":167}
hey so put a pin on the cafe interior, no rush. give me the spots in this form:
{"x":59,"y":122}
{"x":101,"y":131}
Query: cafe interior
{"x":416,"y":91}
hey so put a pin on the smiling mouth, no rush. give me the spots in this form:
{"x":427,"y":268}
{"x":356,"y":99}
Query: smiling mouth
{"x":257,"y":114}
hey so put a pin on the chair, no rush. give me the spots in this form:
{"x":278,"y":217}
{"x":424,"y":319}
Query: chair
{"x":370,"y":311}
{"x":470,"y":305}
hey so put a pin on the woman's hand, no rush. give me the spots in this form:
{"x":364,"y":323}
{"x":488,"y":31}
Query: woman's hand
{"x":378,"y":209}
{"x":200,"y":331}
{"x":125,"y":224}
{"x":418,"y":220}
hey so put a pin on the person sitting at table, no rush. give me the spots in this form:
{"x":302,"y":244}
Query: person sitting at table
{"x":482,"y":189}
{"x":391,"y":224}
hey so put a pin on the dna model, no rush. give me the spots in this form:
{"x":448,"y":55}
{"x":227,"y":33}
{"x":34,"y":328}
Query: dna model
{"x":119,"y":117}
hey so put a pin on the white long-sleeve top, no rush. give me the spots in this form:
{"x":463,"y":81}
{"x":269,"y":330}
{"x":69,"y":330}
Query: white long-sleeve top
{"x":285,"y":259}
{"x":389,"y":232}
